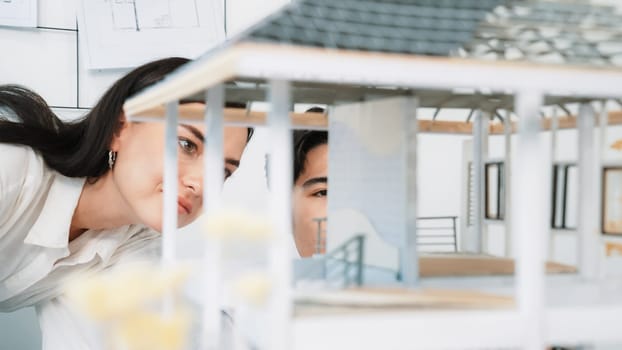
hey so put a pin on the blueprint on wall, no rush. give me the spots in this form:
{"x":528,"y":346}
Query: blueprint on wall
{"x":137,"y":15}
{"x":18,"y":13}
{"x":127,"y":33}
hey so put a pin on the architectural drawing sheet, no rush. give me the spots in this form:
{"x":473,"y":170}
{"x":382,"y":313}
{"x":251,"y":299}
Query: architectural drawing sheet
{"x":127,"y":33}
{"x":18,"y":13}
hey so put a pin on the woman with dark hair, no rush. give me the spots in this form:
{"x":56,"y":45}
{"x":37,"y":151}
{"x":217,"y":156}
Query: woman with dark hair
{"x":310,"y":189}
{"x":84,"y":195}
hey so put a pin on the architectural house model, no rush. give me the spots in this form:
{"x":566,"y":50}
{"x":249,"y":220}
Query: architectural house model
{"x":506,"y":64}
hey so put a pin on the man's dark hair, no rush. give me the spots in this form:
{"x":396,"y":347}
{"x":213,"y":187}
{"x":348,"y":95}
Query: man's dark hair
{"x":305,"y":141}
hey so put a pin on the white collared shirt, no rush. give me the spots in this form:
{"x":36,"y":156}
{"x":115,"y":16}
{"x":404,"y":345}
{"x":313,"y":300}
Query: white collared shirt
{"x":36,"y":257}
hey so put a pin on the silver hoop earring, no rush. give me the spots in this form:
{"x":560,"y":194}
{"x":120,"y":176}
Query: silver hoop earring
{"x":112,"y":156}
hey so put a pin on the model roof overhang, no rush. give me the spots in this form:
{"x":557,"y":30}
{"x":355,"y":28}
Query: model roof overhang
{"x":413,"y":59}
{"x":343,"y":71}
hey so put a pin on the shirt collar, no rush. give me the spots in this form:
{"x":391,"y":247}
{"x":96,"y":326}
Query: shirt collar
{"x":52,"y":226}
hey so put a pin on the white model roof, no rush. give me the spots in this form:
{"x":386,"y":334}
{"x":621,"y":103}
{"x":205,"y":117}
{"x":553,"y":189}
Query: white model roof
{"x":335,"y":51}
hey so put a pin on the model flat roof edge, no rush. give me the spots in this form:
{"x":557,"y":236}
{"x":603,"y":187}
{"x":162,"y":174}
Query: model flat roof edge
{"x":319,"y":65}
{"x":333,"y":66}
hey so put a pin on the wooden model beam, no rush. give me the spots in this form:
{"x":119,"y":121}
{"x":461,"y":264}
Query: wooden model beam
{"x":309,"y":120}
{"x":194,"y":112}
{"x":569,"y":122}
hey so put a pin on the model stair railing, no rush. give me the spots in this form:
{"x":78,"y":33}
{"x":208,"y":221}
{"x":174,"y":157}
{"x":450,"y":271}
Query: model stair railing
{"x":320,"y":235}
{"x":344,"y":266}
{"x":436,"y":232}
{"x":341,"y":268}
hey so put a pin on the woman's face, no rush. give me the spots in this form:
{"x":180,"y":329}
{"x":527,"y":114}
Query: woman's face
{"x":138,"y":169}
{"x":309,"y":202}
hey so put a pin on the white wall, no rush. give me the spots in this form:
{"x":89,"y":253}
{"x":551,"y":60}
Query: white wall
{"x":440,"y":171}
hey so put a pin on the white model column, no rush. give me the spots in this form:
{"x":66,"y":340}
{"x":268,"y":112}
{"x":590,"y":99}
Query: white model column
{"x":281,"y":182}
{"x":554,"y":128}
{"x":587,"y":223}
{"x":603,"y":122}
{"x":507,"y":178}
{"x":169,"y":206}
{"x":530,"y":208}
{"x":213,"y":170}
{"x":169,"y":215}
{"x":474,"y":242}
{"x":408,"y":255}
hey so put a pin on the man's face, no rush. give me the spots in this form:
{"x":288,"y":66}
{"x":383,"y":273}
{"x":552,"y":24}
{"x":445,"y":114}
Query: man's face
{"x":309,"y":202}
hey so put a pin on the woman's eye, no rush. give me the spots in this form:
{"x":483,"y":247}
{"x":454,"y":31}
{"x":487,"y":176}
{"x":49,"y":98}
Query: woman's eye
{"x":187,"y":146}
{"x":320,"y":193}
{"x":227,"y":173}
